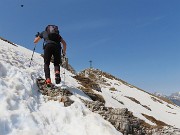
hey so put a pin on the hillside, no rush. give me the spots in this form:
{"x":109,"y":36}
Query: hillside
{"x":101,"y":101}
{"x":135,"y":99}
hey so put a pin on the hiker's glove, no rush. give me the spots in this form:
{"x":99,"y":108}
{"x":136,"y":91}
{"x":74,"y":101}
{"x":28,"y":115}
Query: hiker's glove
{"x":63,"y":53}
{"x":37,"y":34}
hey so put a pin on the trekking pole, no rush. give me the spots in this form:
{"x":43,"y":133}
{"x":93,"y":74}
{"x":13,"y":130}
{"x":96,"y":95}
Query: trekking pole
{"x":64,"y":74}
{"x":63,"y":65}
{"x":32,"y":55}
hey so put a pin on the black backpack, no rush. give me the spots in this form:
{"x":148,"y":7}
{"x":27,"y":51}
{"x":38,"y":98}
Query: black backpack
{"x":53,"y":33}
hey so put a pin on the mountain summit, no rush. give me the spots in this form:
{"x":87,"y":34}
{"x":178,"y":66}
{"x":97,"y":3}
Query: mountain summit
{"x":102,"y":103}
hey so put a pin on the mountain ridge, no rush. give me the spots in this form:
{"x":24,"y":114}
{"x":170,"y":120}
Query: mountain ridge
{"x":88,"y":73}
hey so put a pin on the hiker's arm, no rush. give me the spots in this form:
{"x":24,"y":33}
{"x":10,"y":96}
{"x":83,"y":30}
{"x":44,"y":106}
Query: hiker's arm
{"x":64,"y":46}
{"x":37,"y":39}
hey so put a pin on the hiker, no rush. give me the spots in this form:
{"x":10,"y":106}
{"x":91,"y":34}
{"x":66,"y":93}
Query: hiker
{"x":52,"y":47}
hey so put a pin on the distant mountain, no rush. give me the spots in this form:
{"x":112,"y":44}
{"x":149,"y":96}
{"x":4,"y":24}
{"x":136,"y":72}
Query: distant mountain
{"x":174,"y":97}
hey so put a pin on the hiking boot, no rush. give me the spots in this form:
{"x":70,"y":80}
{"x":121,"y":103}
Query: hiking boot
{"x":48,"y":82}
{"x":57,"y":78}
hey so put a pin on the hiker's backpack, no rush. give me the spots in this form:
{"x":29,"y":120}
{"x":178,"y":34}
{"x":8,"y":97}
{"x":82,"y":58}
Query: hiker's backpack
{"x":53,"y":32}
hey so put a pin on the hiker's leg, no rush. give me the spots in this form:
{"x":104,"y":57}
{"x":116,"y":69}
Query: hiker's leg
{"x":47,"y":59}
{"x":57,"y":58}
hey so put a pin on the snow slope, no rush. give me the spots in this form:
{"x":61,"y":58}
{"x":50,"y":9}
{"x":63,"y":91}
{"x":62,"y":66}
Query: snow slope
{"x":23,"y":110}
{"x":163,"y":111}
{"x":124,"y":95}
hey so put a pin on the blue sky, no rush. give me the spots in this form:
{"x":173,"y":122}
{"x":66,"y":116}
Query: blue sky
{"x":135,"y":40}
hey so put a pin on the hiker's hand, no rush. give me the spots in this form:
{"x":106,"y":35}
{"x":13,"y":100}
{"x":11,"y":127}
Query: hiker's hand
{"x":37,"y":39}
{"x":64,"y":53}
{"x":37,"y":34}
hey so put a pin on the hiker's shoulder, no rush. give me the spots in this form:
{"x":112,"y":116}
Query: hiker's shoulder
{"x":43,"y":34}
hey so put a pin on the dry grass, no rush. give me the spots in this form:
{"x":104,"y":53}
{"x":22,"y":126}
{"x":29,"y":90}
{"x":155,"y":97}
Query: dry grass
{"x":87,"y":82}
{"x":136,"y":101}
{"x":112,"y":89}
{"x":118,"y":100}
{"x":156,"y":100}
{"x":92,"y":95}
{"x":133,"y":99}
{"x":88,"y":86}
{"x":166,"y":100}
{"x":157,"y":122}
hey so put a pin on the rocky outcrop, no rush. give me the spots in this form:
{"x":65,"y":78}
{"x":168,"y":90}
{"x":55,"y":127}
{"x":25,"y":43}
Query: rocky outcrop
{"x":88,"y":86}
{"x":54,"y":93}
{"x":87,"y":82}
{"x":124,"y":121}
{"x":166,"y":131}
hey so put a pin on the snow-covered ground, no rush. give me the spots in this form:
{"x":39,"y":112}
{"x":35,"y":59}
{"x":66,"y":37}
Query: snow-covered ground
{"x":23,"y":110}
{"x":160,"y":110}
{"x":139,"y":102}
